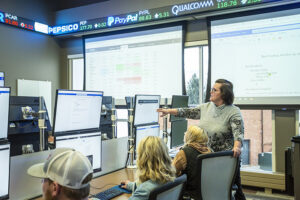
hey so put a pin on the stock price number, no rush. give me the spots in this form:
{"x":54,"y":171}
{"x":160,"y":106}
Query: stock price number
{"x":27,"y":26}
{"x":145,"y":18}
{"x":226,"y":3}
{"x":100,"y":25}
{"x":86,"y":27}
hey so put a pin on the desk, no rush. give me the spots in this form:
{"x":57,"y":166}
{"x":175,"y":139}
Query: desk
{"x":102,"y":183}
{"x":107,"y":181}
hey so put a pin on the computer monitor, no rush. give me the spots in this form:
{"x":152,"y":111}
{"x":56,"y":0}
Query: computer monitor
{"x":179,"y":101}
{"x":144,"y":131}
{"x":2,"y":79}
{"x":178,"y":128}
{"x":77,"y":111}
{"x":145,"y":109}
{"x":4,"y":108}
{"x":89,"y":144}
{"x":4,"y":172}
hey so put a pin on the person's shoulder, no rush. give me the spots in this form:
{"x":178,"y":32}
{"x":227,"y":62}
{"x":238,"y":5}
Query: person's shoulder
{"x":144,"y":189}
{"x":149,"y":184}
{"x":233,"y":111}
{"x":233,"y":108}
{"x":206,"y":105}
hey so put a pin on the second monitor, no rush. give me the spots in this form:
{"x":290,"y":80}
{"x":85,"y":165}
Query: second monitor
{"x":89,"y":144}
{"x":145,"y":109}
{"x":179,"y":101}
{"x":178,"y":128}
{"x":77,"y":111}
{"x":144,"y":131}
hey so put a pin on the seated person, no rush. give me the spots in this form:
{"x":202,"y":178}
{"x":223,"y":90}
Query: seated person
{"x":154,"y":168}
{"x":66,"y":175}
{"x":185,"y":161}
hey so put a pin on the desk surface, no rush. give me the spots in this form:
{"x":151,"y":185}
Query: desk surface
{"x":102,"y":183}
{"x":107,"y":181}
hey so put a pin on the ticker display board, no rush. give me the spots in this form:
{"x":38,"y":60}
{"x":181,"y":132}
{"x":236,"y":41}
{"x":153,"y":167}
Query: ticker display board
{"x":20,"y":22}
{"x":155,"y":14}
{"x":129,"y":18}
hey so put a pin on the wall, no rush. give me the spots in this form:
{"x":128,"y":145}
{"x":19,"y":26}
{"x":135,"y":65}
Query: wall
{"x":29,"y":55}
{"x":258,"y":129}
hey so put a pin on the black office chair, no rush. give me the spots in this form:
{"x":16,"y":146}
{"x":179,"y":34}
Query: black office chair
{"x":170,"y":190}
{"x":217,"y":172}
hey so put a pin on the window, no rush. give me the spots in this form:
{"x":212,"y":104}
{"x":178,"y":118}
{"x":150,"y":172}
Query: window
{"x":257,"y":145}
{"x":196,"y":65}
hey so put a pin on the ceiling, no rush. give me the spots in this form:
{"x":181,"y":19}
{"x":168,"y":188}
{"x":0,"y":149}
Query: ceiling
{"x":66,"y":4}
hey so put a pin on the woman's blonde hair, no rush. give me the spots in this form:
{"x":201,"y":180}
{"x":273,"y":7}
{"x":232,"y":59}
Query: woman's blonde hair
{"x":195,"y":134}
{"x":154,"y":162}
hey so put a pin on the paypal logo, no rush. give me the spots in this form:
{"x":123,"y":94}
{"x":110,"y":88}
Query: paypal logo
{"x":121,"y":20}
{"x":110,"y":20}
{"x":1,"y":17}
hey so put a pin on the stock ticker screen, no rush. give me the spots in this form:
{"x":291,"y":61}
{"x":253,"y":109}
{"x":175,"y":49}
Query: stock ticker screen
{"x":140,"y":16}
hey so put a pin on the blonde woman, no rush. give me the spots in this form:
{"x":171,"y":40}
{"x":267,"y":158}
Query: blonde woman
{"x":195,"y":143}
{"x":154,"y":167}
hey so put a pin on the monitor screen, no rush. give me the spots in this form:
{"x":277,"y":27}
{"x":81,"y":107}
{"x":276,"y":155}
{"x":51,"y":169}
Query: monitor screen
{"x":1,"y":79}
{"x":144,"y":131}
{"x":145,"y":109}
{"x":4,"y":108}
{"x":178,"y":128}
{"x":89,"y":144}
{"x":4,"y":172}
{"x":135,"y":62}
{"x":77,"y":111}
{"x":179,"y":101}
{"x":259,"y":54}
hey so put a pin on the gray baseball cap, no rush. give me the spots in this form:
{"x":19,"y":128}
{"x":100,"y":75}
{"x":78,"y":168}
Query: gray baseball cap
{"x":65,"y":166}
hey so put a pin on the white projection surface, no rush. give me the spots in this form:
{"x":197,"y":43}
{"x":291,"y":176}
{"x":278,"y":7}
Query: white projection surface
{"x":260,"y":54}
{"x":77,"y":110}
{"x":145,"y":109}
{"x":4,"y":172}
{"x":89,"y":144}
{"x":144,"y":131}
{"x":144,"y":62}
{"x":4,"y":108}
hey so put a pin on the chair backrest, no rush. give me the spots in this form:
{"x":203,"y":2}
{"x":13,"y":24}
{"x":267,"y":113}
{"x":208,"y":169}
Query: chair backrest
{"x":217,"y":174}
{"x":170,"y":190}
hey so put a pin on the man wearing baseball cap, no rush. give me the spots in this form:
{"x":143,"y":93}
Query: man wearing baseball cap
{"x":66,"y":175}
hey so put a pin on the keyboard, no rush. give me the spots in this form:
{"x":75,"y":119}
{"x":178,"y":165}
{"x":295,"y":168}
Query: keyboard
{"x":110,"y":193}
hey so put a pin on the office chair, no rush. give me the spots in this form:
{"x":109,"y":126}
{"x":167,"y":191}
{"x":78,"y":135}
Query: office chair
{"x":170,"y":190}
{"x":217,"y":172}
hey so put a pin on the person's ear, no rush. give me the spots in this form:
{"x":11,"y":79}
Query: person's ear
{"x":55,"y":189}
